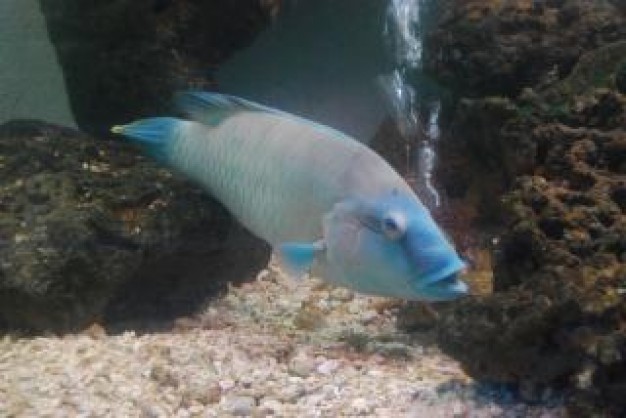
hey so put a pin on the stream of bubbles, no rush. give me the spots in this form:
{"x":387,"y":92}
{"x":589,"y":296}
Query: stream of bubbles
{"x":417,"y":120}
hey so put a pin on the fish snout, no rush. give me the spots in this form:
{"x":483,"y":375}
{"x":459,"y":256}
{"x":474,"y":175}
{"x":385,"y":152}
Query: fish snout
{"x":447,"y":288}
{"x":437,"y":276}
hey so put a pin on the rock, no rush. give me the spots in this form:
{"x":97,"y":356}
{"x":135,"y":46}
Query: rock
{"x":342,"y":294}
{"x":416,"y":316}
{"x":328,"y":366}
{"x":598,"y":68}
{"x":537,"y":146}
{"x":292,"y":392}
{"x":558,"y":271}
{"x":96,"y":331}
{"x":500,"y":47}
{"x":302,"y":365}
{"x":226,"y":385}
{"x":89,"y":229}
{"x":368,"y":317}
{"x":240,"y":406}
{"x":271,"y":407}
{"x":360,"y":407}
{"x":309,"y":318}
{"x":124,"y":59}
{"x":391,"y":349}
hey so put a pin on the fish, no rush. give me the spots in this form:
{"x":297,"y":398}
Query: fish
{"x":327,"y":204}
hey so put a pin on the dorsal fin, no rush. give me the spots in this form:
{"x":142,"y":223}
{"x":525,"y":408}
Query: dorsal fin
{"x":212,"y":108}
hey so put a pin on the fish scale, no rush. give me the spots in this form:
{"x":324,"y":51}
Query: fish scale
{"x":269,"y":181}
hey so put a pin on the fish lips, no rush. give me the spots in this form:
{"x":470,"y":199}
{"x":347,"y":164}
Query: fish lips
{"x":448,"y":288}
{"x":443,"y":284}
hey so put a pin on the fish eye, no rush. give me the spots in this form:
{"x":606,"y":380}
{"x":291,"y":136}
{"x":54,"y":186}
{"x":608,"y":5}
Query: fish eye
{"x":393,"y":225}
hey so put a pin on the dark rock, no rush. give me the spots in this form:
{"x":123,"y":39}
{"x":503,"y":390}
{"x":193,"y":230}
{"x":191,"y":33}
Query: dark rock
{"x":595,"y":69}
{"x":499,"y":47}
{"x":560,"y":273}
{"x":90,"y":230}
{"x":416,"y":317}
{"x":124,"y":59}
{"x":543,"y":137}
{"x":620,"y":79}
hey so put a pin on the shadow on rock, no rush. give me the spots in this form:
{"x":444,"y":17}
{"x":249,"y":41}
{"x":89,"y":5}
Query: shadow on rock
{"x":178,"y":285}
{"x":90,"y":230}
{"x":124,"y":59}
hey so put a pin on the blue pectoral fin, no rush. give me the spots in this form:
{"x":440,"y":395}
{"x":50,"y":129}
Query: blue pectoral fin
{"x":297,"y":257}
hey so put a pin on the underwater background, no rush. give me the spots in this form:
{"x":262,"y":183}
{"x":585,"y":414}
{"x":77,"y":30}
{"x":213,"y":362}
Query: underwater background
{"x":127,"y":291}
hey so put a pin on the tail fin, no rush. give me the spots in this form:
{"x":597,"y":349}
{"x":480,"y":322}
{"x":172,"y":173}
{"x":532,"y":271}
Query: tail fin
{"x":154,"y":135}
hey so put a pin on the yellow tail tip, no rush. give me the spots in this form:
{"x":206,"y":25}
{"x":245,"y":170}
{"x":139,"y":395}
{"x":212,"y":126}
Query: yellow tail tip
{"x":117,"y":129}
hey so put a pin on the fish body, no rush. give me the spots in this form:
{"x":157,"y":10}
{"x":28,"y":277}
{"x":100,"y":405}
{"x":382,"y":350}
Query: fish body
{"x":317,"y":196}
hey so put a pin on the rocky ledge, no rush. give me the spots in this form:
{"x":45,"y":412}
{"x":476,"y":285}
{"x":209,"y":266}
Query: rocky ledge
{"x":90,"y":229}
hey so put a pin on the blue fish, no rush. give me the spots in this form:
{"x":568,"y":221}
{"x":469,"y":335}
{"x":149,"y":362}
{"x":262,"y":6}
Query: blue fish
{"x":325,"y":202}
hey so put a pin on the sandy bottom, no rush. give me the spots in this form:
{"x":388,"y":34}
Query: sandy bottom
{"x":268,"y":348}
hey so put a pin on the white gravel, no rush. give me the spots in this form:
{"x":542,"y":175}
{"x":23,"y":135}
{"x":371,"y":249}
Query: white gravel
{"x":268,"y":348}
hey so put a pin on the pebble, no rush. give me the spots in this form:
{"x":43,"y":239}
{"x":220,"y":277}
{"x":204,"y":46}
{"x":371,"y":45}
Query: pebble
{"x":226,"y":384}
{"x":96,"y":331}
{"x":317,"y":284}
{"x":458,"y":409}
{"x":195,"y":409}
{"x":368,"y":317}
{"x":354,"y":308}
{"x":240,"y":406}
{"x":302,"y":366}
{"x":360,"y":406}
{"x":330,"y":392}
{"x":328,"y":366}
{"x":271,"y":406}
{"x":342,"y":294}
{"x":392,"y":350}
{"x":291,"y":393}
{"x":263,"y":275}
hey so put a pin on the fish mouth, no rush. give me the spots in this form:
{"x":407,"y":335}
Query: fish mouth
{"x":449,"y":287}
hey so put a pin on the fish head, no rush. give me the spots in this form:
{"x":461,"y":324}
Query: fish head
{"x":391,"y":246}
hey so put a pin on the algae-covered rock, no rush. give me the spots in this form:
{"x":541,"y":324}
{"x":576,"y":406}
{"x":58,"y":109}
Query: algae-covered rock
{"x":125,"y":58}
{"x":595,"y":69}
{"x":560,"y":274}
{"x":542,"y":136}
{"x":561,"y":264}
{"x":90,"y":229}
{"x":499,"y":47}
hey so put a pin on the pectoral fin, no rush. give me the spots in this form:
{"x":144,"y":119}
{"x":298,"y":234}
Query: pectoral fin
{"x":297,"y":257}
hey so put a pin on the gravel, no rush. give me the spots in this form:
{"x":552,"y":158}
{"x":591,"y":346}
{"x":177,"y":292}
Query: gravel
{"x":273,"y":347}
